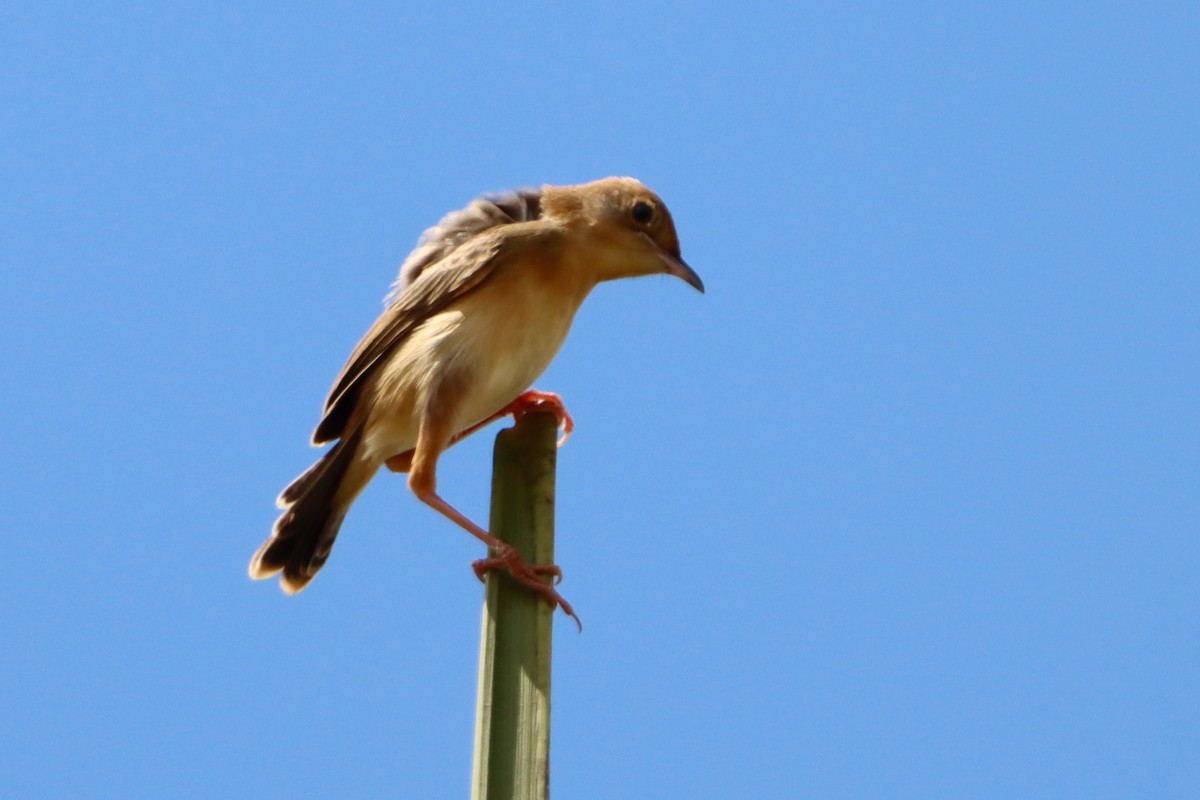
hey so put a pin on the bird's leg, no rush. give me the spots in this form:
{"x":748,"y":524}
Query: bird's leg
{"x":422,"y":480}
{"x":526,"y":403}
{"x":533,"y":400}
{"x":506,"y":556}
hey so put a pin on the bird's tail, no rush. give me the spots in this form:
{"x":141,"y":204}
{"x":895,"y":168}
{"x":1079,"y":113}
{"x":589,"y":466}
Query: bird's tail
{"x":313,"y":508}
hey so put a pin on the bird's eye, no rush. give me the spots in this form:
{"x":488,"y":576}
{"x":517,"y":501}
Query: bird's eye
{"x":642,"y":212}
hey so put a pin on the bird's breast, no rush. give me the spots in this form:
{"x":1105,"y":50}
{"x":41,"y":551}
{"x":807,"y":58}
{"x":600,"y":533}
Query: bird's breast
{"x":470,"y":360}
{"x":500,"y":349}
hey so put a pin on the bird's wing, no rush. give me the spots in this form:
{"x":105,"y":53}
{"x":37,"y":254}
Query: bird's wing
{"x":458,"y":227}
{"x":439,"y":284}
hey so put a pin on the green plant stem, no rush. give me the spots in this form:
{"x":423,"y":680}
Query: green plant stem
{"x":512,"y":713}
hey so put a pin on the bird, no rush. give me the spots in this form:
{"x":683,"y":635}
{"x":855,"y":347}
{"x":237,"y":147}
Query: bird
{"x":477,"y":312}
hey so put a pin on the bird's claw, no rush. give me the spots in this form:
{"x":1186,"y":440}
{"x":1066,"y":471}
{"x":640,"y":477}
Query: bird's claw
{"x":528,"y":575}
{"x":550,"y":402}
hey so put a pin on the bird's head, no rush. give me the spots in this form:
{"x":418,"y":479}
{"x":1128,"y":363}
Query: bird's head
{"x":628,"y":229}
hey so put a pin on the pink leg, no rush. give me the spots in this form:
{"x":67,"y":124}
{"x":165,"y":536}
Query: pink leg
{"x":422,"y":480}
{"x":506,"y":556}
{"x":530,"y":401}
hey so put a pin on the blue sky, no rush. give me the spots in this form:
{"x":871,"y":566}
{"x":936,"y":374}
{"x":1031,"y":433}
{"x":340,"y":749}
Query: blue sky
{"x":905,"y":506}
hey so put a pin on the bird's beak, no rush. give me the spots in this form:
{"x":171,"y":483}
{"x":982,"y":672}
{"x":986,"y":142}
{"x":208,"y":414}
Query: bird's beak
{"x":676,"y":266}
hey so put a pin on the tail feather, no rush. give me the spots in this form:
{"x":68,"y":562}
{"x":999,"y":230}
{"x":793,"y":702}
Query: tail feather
{"x":314,"y":505}
{"x":304,"y":481}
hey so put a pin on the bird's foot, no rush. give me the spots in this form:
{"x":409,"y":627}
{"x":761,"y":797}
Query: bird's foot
{"x":532,"y":401}
{"x":528,"y":575}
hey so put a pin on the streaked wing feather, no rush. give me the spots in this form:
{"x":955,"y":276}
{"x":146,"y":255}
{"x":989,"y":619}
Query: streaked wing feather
{"x":440,"y":285}
{"x":450,"y":259}
{"x":458,"y":227}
